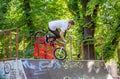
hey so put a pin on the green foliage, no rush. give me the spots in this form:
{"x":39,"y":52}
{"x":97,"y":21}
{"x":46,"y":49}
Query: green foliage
{"x":109,"y":27}
{"x":13,"y":13}
{"x":106,"y":20}
{"x":118,"y":67}
{"x":45,"y":11}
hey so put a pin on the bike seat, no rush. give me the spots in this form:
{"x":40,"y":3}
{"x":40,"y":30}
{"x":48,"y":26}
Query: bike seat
{"x":50,"y":35}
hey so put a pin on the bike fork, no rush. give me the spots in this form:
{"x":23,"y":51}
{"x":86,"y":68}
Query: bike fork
{"x":60,"y":50}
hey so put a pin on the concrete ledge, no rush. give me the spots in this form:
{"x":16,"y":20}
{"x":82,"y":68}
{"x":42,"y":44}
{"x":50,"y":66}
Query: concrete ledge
{"x":53,"y":69}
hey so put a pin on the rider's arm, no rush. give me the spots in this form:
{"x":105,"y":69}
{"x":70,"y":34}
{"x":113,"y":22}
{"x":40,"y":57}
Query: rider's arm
{"x":62,"y":36}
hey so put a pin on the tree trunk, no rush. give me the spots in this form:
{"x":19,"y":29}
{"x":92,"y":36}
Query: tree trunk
{"x":3,"y":10}
{"x":28,"y":16}
{"x":88,"y":33}
{"x":89,"y":52}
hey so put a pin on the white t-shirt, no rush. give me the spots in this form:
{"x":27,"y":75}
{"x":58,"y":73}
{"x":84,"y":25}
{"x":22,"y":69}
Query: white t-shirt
{"x":62,"y":24}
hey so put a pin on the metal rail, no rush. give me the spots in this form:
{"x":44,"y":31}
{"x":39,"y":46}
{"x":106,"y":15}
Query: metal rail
{"x":14,"y":44}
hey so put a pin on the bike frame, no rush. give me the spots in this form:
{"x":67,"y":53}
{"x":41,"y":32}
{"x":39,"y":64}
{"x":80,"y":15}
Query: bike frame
{"x":47,"y":48}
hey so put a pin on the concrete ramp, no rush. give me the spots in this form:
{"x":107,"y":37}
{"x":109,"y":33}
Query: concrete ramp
{"x":53,"y":69}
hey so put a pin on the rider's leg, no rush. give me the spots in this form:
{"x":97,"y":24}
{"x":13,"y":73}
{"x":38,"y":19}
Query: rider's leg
{"x":56,"y":34}
{"x":65,"y":33}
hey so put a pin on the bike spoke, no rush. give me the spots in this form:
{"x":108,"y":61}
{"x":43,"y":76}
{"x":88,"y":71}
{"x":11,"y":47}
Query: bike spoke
{"x":60,"y":53}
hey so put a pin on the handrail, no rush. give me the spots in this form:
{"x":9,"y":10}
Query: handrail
{"x":8,"y":30}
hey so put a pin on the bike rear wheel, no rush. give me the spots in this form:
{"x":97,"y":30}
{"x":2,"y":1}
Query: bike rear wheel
{"x":39,"y":36}
{"x":60,"y":53}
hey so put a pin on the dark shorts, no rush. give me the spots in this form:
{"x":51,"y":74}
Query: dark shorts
{"x":55,"y":32}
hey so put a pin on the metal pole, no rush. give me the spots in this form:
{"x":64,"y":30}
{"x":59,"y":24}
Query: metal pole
{"x":70,"y":49}
{"x":17,"y":46}
{"x":10,"y":46}
{"x":82,"y":49}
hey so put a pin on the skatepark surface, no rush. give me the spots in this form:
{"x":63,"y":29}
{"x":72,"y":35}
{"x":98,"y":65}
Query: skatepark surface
{"x":53,"y":69}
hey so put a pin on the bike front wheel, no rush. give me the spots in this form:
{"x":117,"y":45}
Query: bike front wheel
{"x":60,"y":53}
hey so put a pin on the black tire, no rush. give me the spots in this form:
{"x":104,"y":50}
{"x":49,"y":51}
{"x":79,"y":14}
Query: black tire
{"x":40,"y":34}
{"x":60,"y":55}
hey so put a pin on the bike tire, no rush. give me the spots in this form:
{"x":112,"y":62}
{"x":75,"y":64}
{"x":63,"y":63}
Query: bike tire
{"x":60,"y":55}
{"x":41,"y":35}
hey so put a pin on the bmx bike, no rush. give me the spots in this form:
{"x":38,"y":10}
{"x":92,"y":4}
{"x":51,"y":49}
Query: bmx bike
{"x":59,"y":51}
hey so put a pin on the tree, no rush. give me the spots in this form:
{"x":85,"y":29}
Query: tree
{"x":3,"y":11}
{"x":111,"y":27}
{"x":86,"y":12}
{"x":28,"y":16}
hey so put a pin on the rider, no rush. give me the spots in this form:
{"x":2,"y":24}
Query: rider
{"x":63,"y":25}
